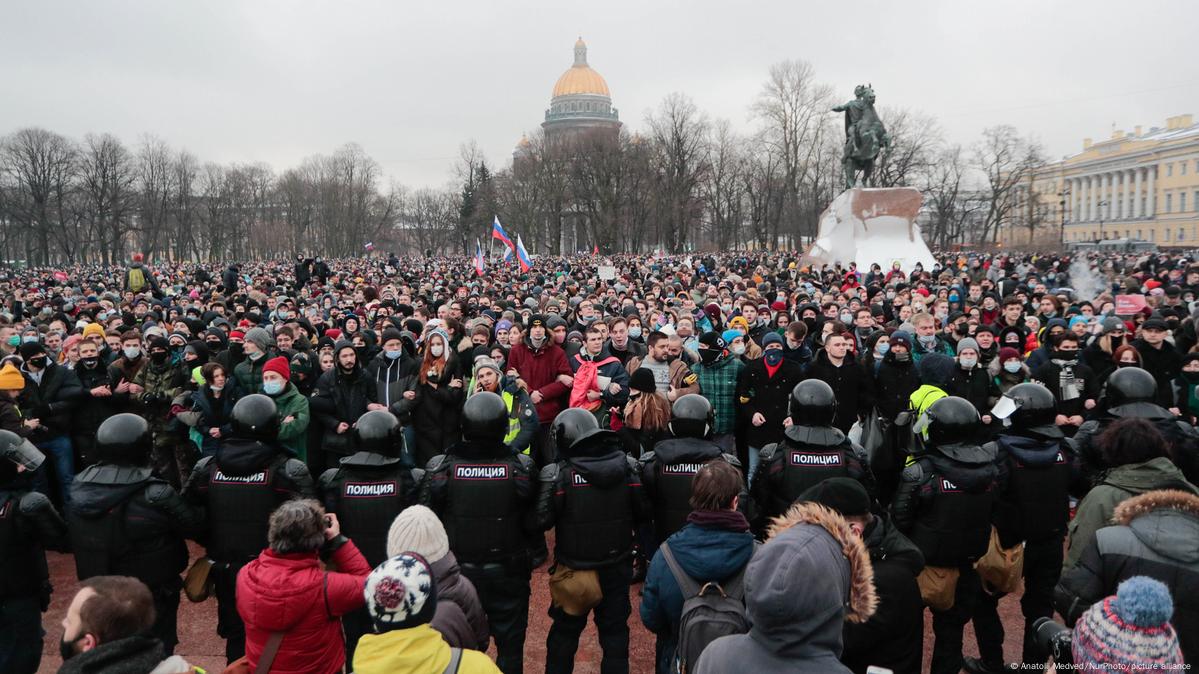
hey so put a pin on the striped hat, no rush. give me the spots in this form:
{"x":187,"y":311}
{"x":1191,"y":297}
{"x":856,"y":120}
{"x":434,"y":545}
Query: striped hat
{"x":1130,"y":628}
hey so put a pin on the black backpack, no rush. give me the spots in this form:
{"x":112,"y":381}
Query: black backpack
{"x":709,"y":612}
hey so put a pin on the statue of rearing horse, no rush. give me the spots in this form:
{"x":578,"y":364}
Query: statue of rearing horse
{"x":865,"y":137}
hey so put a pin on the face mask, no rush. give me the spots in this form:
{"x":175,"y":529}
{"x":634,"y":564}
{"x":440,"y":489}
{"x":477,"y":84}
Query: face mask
{"x":131,"y":352}
{"x":963,"y":329}
{"x":968,"y":363}
{"x":846,"y":318}
{"x":773,"y":357}
{"x":272,"y":388}
{"x":216,"y":389}
{"x":1012,"y":366}
{"x":709,"y":356}
{"x":928,"y":340}
{"x":1065,"y":355}
{"x":436,"y":350}
{"x":882,"y":349}
{"x":635,"y":331}
{"x":256,"y":355}
{"x":28,"y":339}
{"x":902,"y":356}
{"x":213,"y":345}
{"x":15,"y":340}
{"x":792,"y":345}
{"x":954,"y":298}
{"x":739,"y":349}
{"x":1117,"y":340}
{"x":158,"y":356}
{"x":90,"y":362}
{"x":393,"y":355}
{"x":890,"y":294}
{"x":38,"y":362}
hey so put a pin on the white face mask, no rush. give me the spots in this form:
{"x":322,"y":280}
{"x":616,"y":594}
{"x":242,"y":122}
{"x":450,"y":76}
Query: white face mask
{"x":739,"y":349}
{"x":436,"y":350}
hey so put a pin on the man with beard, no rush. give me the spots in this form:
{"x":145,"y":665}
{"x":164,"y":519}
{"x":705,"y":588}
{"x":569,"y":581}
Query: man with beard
{"x":341,"y":396}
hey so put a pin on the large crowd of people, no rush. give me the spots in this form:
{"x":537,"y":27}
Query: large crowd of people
{"x":788,"y":463}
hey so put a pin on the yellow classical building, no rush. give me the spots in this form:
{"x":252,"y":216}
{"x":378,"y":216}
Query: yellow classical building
{"x":1139,"y":185}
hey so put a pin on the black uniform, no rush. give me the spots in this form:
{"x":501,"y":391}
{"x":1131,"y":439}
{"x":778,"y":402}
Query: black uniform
{"x":240,"y":488}
{"x":28,"y":525}
{"x":807,"y":456}
{"x":366,"y":493}
{"x":1181,"y":437}
{"x":484,"y":494}
{"x":594,"y":499}
{"x":944,"y":504}
{"x":125,"y":522}
{"x":1033,"y":507}
{"x":666,"y":473}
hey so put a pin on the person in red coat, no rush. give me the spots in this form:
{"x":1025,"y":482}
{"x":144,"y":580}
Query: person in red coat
{"x":285,"y":590}
{"x":541,"y":364}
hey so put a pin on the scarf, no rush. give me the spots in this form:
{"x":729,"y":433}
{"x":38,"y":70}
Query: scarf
{"x":719,"y":519}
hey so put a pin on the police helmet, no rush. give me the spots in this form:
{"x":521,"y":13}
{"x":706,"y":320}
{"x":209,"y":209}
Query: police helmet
{"x":123,"y":439}
{"x":256,"y":417}
{"x":1036,"y":410}
{"x":952,"y":420}
{"x":692,"y":416}
{"x":378,"y":431}
{"x":1130,"y":385}
{"x":484,"y":418}
{"x":813,"y":403}
{"x":571,"y":426}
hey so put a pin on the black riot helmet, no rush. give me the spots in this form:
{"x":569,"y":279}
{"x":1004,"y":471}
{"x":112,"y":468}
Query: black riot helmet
{"x":484,"y":419}
{"x":1130,"y":385}
{"x":1036,"y":410}
{"x":571,"y":426}
{"x":123,"y":439}
{"x":692,"y":416}
{"x":952,"y":420}
{"x":19,"y":452}
{"x":813,"y":403}
{"x":256,"y":417}
{"x":378,"y":431}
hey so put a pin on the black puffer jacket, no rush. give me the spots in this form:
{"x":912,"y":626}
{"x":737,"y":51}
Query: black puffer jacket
{"x":852,"y":384}
{"x":52,"y":401}
{"x":894,"y":636}
{"x":391,"y":379}
{"x":438,"y":417}
{"x":1156,"y":534}
{"x":341,"y":397}
{"x":893,"y":386}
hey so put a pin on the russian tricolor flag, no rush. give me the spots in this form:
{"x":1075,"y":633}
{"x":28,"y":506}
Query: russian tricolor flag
{"x":523,"y":255}
{"x":478,"y":257}
{"x":497,"y":232}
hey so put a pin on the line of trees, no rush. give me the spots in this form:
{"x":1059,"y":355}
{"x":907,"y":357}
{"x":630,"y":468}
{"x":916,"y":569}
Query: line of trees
{"x":682,"y":181}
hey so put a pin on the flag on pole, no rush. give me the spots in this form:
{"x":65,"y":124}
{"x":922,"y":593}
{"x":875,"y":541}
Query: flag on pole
{"x":478,"y":257}
{"x":370,"y":245}
{"x":508,"y":254}
{"x":523,"y":255}
{"x":497,"y":232}
{"x":595,"y":249}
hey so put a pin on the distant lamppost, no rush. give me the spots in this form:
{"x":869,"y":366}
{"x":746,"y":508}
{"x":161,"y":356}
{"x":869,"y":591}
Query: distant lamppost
{"x":1102,"y":206}
{"x":1061,"y":206}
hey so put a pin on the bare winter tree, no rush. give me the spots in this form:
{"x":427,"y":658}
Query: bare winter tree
{"x":155,"y":189}
{"x":678,"y":131}
{"x":724,"y":189}
{"x":41,"y":165}
{"x":1004,"y":158}
{"x":949,"y":202}
{"x":915,"y":141}
{"x":107,"y":182}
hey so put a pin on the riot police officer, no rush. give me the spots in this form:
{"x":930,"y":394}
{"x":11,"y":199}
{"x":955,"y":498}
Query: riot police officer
{"x":812,"y":451}
{"x":593,"y":497}
{"x":1132,"y":392}
{"x":484,"y":494}
{"x":1035,"y":471}
{"x":240,"y":488}
{"x":370,"y":488}
{"x":944,"y":504}
{"x":667,"y":470}
{"x":28,"y":525}
{"x":126,"y":522}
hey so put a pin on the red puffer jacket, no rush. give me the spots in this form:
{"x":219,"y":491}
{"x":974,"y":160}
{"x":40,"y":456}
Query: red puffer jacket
{"x":539,"y":370}
{"x":290,"y":593}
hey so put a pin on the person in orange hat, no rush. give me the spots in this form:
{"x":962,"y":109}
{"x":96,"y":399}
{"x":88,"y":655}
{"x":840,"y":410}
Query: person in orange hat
{"x":11,"y":385}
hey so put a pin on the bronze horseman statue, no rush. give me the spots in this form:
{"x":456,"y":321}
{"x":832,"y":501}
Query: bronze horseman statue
{"x":865,"y":136}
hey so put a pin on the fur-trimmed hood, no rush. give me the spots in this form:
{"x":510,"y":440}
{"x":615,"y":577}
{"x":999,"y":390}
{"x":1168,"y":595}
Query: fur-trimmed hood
{"x":1166,"y":521}
{"x":811,"y":576}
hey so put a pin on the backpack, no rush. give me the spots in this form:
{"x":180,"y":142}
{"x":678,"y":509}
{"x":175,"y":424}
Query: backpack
{"x":709,"y":612}
{"x":137,"y":279}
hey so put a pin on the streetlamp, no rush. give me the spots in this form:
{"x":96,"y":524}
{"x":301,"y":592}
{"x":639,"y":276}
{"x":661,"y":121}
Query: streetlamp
{"x":1102,"y":206}
{"x":1061,"y":208}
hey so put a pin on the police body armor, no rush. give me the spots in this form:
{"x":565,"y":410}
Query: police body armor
{"x":596,"y":524}
{"x":367,"y":493}
{"x":954,"y":525}
{"x":1039,"y":477}
{"x":483,"y":518}
{"x":240,"y":507}
{"x":674,"y":463}
{"x":122,"y":534}
{"x":811,"y":455}
{"x":23,"y":569}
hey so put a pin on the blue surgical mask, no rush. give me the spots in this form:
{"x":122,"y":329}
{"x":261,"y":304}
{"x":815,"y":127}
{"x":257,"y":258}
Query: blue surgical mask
{"x":273,"y":388}
{"x":1012,"y":366}
{"x":882,"y":349}
{"x":393,"y":355}
{"x":635,"y":331}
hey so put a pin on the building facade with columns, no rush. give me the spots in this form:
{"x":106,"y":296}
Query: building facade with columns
{"x":1141,"y":185}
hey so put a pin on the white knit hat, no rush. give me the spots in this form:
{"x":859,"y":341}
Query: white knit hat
{"x":418,"y":530}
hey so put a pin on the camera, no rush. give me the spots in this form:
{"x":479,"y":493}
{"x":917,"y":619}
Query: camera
{"x":1055,"y":640}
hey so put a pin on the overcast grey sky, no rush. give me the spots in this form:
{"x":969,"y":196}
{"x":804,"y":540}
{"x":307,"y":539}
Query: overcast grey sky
{"x":275,"y":81}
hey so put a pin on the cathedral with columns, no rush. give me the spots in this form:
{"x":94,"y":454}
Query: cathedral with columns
{"x":1142,"y":184}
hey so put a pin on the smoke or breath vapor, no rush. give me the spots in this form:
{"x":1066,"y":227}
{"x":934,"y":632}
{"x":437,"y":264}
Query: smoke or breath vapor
{"x":1087,"y":282}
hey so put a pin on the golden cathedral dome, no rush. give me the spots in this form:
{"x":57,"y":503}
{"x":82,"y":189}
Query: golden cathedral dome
{"x":581,"y":78}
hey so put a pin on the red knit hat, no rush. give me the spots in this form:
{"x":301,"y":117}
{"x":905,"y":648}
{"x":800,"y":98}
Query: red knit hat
{"x":279,"y":366}
{"x":1007,"y":353}
{"x":333,"y":333}
{"x":238,"y":334}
